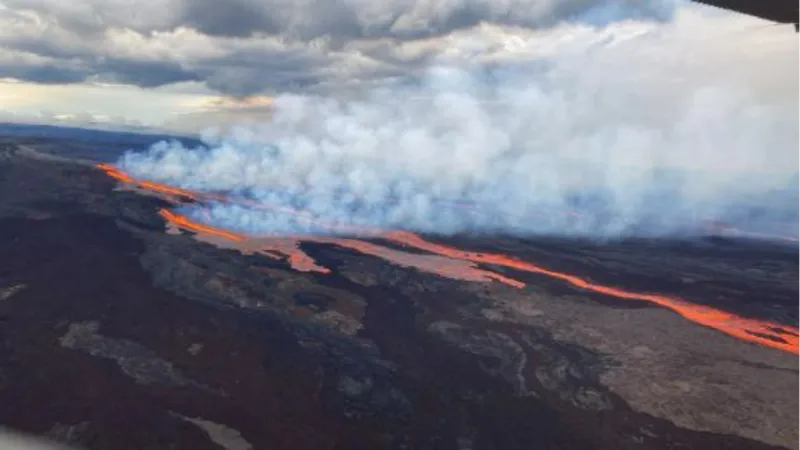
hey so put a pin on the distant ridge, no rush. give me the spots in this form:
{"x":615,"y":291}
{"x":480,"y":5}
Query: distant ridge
{"x":90,"y":135}
{"x":85,"y":144}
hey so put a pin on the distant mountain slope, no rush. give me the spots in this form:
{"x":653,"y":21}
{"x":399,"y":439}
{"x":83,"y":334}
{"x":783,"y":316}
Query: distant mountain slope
{"x":87,"y":135}
{"x":84,"y":143}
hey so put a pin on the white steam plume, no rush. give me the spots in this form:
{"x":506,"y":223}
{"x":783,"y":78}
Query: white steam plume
{"x":640,"y":129}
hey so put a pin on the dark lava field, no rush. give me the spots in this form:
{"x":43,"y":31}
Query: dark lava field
{"x":117,"y":334}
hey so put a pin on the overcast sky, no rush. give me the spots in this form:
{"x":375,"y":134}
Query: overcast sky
{"x":189,"y":64}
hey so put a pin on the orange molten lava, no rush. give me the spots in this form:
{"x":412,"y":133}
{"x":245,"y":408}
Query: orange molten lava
{"x":185,"y":223}
{"x":123,"y":177}
{"x":765,"y":333}
{"x":444,"y":267}
{"x":299,"y":260}
{"x":290,"y":248}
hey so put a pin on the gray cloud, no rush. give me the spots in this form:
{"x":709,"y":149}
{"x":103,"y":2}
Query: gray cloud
{"x":86,"y":17}
{"x":58,"y":69}
{"x":400,"y":19}
{"x":42,"y":74}
{"x":143,"y":73}
{"x":245,"y":47}
{"x":348,"y":19}
{"x":239,"y":18}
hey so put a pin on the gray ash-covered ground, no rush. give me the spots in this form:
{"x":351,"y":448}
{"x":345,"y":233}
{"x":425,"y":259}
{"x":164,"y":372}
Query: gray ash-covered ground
{"x":117,"y":335}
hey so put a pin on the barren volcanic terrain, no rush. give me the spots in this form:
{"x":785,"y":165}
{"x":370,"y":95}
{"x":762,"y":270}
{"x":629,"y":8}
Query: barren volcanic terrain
{"x":124,"y":325}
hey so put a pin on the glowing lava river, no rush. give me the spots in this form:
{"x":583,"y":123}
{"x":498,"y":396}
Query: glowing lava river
{"x":441,"y":260}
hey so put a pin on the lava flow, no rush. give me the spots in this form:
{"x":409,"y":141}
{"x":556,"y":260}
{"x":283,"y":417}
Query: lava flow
{"x":185,"y":223}
{"x":123,"y":177}
{"x":289,"y":247}
{"x":765,"y":333}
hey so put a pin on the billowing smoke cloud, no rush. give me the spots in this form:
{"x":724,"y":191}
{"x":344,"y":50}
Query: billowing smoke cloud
{"x":632,"y":129}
